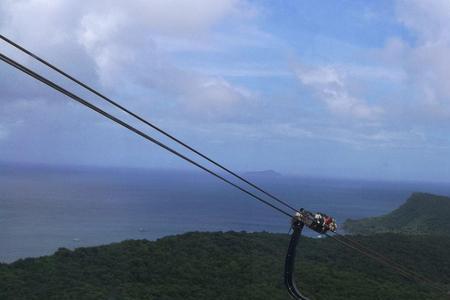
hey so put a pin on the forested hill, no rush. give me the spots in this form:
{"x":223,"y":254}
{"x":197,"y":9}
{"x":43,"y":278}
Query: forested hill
{"x":227,"y":266}
{"x":421,"y":214}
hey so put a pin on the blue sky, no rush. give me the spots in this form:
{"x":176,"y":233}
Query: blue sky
{"x":325,"y":88}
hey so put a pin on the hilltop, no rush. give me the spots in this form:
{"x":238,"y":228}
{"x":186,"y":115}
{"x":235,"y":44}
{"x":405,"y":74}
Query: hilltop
{"x":227,"y":266}
{"x":421,"y":214}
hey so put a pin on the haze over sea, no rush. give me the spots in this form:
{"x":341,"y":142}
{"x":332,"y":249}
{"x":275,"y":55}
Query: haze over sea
{"x":44,"y":208}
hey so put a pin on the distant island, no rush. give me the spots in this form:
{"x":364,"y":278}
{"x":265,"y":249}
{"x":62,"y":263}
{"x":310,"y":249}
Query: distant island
{"x":231,"y":265}
{"x":421,"y":214}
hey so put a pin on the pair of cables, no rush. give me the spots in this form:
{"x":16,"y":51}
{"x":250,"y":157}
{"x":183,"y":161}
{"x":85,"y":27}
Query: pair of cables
{"x":287,"y":210}
{"x":137,"y":117}
{"x":382,"y":259}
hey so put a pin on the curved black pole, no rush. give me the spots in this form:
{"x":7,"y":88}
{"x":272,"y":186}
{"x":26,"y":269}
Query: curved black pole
{"x":289,"y":265}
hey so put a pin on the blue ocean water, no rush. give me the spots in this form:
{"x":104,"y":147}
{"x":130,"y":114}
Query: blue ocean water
{"x":44,"y":208}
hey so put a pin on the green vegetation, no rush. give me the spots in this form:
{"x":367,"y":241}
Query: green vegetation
{"x":228,"y":266}
{"x":421,"y":214}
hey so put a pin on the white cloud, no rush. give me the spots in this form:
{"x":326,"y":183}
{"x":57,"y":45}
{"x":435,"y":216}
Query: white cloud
{"x":214,"y":97}
{"x":425,"y":61}
{"x":393,"y":73}
{"x":429,"y":20}
{"x":332,"y":89}
{"x":179,"y":18}
{"x":131,"y":43}
{"x":144,"y":32}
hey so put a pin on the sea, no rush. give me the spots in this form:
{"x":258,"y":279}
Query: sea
{"x":43,"y":208}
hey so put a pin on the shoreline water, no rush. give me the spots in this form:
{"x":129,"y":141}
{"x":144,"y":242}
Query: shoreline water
{"x":42,"y":209}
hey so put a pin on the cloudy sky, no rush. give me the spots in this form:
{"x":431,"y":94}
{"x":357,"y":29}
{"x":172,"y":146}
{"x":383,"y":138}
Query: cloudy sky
{"x":324,"y":88}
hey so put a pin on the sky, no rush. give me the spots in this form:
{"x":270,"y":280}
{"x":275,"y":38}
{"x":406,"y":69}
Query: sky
{"x":355,"y":89}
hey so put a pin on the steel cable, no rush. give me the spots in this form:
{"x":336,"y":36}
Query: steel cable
{"x":129,"y":127}
{"x":119,"y":106}
{"x":388,"y":260}
{"x":373,"y":254}
{"x":405,"y":273}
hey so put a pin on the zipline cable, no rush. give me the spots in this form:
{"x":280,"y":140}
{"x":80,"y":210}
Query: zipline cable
{"x":404,"y":272}
{"x":388,"y":260}
{"x":119,"y":106}
{"x":375,"y":255}
{"x":136,"y":116}
{"x":414,"y":274}
{"x":80,"y":100}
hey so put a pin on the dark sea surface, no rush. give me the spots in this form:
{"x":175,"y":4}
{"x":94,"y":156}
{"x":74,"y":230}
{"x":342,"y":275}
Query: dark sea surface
{"x":44,"y":208}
